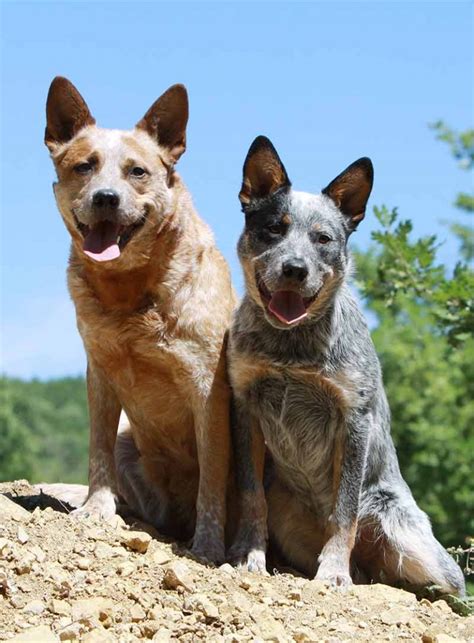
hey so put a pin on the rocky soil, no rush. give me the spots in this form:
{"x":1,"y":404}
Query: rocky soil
{"x":63,"y":579}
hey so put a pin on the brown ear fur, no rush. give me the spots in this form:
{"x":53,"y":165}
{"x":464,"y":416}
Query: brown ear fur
{"x":264,"y":173}
{"x":66,"y":112}
{"x":350,"y":190}
{"x":166,"y":120}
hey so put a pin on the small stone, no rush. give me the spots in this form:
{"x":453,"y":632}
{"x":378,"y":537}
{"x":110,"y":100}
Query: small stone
{"x":98,"y":635}
{"x":205,"y":606}
{"x":17,"y":601}
{"x":6,"y":548}
{"x":22,"y":535}
{"x":431,"y":636}
{"x":150,"y":628}
{"x":41,"y":633}
{"x":270,"y":628}
{"x":303,"y":634}
{"x":442,"y":606}
{"x":126,"y":568}
{"x":177,"y":575}
{"x":163,"y":635}
{"x":103,"y":550}
{"x":34,"y":607}
{"x":61,"y":608}
{"x":137,"y":613}
{"x":155,"y":613}
{"x":416,"y":625}
{"x":227,"y":569}
{"x":160,"y":557}
{"x":10,"y":510}
{"x":98,"y":607}
{"x":72,"y":632}
{"x":396,"y":616}
{"x":83,"y":563}
{"x":116,"y":522}
{"x":382,"y":593}
{"x":96,"y":533}
{"x":38,"y":553}
{"x":295,"y":595}
{"x":25,"y":564}
{"x":136,"y":540}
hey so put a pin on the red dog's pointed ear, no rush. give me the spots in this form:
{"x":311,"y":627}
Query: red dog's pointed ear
{"x":66,"y":112}
{"x":166,"y":120}
{"x":264,"y":173}
{"x":350,"y":190}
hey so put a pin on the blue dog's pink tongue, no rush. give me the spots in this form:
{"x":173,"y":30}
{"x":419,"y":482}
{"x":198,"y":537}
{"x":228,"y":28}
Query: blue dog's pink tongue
{"x":287,"y":306}
{"x":100,"y":242}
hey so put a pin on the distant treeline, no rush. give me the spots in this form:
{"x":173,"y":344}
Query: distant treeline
{"x":44,"y":430}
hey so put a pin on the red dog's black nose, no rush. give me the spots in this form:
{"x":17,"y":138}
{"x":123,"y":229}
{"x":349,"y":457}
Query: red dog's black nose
{"x":106,"y":199}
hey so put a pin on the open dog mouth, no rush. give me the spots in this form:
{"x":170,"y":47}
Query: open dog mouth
{"x":288,"y":306}
{"x":107,"y":239}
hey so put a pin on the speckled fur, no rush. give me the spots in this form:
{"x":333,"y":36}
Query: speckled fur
{"x":313,"y":394}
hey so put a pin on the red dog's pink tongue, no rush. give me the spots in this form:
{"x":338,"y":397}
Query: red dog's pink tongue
{"x":287,"y":306}
{"x":101,"y":241}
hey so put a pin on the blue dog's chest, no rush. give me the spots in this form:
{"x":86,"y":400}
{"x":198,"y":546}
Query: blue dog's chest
{"x":300,"y":423}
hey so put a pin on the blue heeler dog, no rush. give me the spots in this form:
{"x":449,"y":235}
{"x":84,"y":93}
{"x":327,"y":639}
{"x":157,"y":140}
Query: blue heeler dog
{"x":308,"y":388}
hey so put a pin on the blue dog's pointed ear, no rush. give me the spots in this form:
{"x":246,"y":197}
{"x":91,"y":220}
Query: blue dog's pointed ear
{"x":264,"y":173}
{"x":350,"y":190}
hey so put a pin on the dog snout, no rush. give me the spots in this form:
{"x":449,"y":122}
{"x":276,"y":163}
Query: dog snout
{"x":105,"y":200}
{"x":295,"y":269}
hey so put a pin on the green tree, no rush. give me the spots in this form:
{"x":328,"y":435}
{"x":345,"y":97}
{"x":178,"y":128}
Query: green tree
{"x":424,"y":336}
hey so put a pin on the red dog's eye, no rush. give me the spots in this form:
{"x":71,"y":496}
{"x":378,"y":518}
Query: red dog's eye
{"x":138,"y":171}
{"x":83,"y":168}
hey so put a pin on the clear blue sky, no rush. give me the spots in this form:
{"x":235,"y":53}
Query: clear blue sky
{"x":327,"y":82}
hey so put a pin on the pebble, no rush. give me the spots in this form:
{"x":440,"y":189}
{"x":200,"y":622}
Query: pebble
{"x":160,"y":557}
{"x":25,"y":564}
{"x":126,"y":569}
{"x":34,"y":607}
{"x":396,"y":616}
{"x":22,"y":535}
{"x":41,"y":633}
{"x":177,"y":575}
{"x":83,"y":563}
{"x":59,"y":607}
{"x":136,"y":540}
{"x":137,"y":613}
{"x":10,"y":510}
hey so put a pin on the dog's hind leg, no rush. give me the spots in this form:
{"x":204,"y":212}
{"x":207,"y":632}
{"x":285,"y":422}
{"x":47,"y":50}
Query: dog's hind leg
{"x":141,"y":496}
{"x":398,"y":547}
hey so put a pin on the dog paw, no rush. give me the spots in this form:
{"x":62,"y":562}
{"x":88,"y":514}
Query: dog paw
{"x":250,"y":561}
{"x":334,"y":577}
{"x":100,"y":505}
{"x":208,"y":551}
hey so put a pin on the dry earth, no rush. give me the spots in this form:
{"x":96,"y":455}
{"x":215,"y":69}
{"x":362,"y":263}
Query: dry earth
{"x":63,"y":579}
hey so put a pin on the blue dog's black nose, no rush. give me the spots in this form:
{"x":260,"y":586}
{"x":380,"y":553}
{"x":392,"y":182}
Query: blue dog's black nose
{"x":295,"y":269}
{"x":107,"y":199}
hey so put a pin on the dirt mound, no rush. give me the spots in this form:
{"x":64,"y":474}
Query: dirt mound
{"x":84,"y":580}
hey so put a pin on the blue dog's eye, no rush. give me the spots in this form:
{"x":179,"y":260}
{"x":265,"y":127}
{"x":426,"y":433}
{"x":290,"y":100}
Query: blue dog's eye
{"x":138,"y":171}
{"x":274,"y":229}
{"x":83,"y":168}
{"x":323,"y":238}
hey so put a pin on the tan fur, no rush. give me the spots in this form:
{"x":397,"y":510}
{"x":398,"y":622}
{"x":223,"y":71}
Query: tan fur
{"x":153,"y":324}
